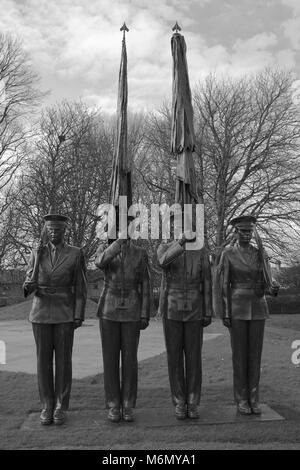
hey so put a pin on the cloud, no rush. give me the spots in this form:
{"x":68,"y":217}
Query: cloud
{"x":76,"y":44}
{"x":293,"y":4}
{"x":77,"y":41}
{"x":254,"y":53}
{"x":291,"y":27}
{"x":292,"y":31}
{"x":243,"y":57}
{"x":256,"y":43}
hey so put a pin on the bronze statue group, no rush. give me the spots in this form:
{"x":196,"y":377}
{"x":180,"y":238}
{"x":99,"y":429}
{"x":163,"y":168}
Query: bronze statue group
{"x":60,"y":292}
{"x":57,"y":277}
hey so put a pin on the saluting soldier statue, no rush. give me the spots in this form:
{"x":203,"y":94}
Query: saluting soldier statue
{"x":245,"y":278}
{"x":57,"y":276}
{"x":186,"y":307}
{"x":124,"y":310}
{"x":124,"y":304}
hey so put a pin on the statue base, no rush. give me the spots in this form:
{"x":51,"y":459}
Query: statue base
{"x":153,"y":418}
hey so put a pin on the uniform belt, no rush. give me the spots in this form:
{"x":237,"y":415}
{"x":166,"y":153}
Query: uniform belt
{"x":54,"y":289}
{"x":246,"y":285}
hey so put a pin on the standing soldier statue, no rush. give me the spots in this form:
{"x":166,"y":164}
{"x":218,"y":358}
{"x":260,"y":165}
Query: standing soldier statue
{"x":124,"y":305}
{"x":186,"y":290}
{"x":186,"y":308}
{"x":124,"y":309}
{"x":245,"y":277}
{"x":56,"y":275}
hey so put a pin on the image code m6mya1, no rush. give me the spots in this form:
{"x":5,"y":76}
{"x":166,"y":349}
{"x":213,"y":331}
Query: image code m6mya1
{"x":139,"y":458}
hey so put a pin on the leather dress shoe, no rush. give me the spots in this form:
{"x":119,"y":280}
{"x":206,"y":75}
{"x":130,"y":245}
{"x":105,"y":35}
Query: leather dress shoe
{"x":128,"y":415}
{"x":255,"y":408}
{"x":59,"y":416}
{"x":46,"y":417}
{"x":114,"y":415}
{"x":180,"y":411}
{"x":193,"y":412}
{"x":244,"y":408}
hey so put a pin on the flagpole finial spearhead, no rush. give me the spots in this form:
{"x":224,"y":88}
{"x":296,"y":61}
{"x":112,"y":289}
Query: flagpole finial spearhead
{"x":176,"y":28}
{"x":124,"y":28}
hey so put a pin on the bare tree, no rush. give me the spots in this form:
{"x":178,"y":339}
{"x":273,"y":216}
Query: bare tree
{"x":248,"y":131}
{"x":246,"y":156}
{"x":69,"y":169}
{"x":246,"y":160}
{"x":19,"y":96}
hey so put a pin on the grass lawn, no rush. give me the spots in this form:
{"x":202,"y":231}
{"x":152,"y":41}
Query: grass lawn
{"x":286,"y":321}
{"x":279,"y":389}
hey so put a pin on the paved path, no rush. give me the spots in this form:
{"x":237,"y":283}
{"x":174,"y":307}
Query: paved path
{"x":87,"y":355}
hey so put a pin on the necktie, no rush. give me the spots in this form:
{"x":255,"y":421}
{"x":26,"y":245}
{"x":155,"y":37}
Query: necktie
{"x":55,"y":255}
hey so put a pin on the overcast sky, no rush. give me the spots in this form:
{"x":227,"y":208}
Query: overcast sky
{"x":75,"y":45}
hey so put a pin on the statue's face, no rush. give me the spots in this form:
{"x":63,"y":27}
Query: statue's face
{"x":56,"y":232}
{"x":244,"y":235}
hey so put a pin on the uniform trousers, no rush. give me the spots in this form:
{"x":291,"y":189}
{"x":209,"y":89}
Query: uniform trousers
{"x":54,"y":340}
{"x":246,"y":344}
{"x":184,"y":341}
{"x":120,"y":340}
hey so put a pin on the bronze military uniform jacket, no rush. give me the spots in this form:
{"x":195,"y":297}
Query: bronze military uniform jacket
{"x":243,"y":289}
{"x":126,"y":292}
{"x":62,"y":288}
{"x":186,"y":294}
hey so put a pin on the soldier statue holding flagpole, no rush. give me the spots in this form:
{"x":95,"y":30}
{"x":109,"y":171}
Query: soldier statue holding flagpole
{"x":186,"y":299}
{"x":124,"y":304}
